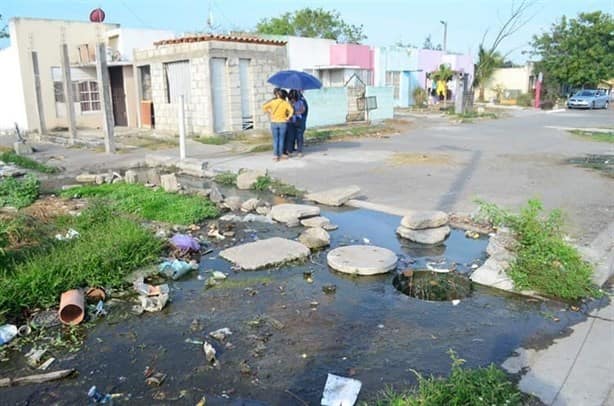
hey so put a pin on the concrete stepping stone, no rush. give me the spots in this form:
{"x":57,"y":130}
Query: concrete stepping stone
{"x":492,"y":273}
{"x":247,"y":178}
{"x":362,"y":260}
{"x":314,"y":238}
{"x":422,"y":219}
{"x":334,"y":197}
{"x":292,"y":213}
{"x":427,"y":236}
{"x":263,"y":253}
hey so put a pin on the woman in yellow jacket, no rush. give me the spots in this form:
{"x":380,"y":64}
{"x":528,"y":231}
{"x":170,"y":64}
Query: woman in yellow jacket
{"x":280,"y":112}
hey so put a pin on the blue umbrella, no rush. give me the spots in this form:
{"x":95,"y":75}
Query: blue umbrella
{"x":293,"y":79}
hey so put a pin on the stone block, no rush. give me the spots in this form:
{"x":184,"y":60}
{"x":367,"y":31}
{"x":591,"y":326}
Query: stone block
{"x":131,"y":176}
{"x":263,"y":253}
{"x":425,"y":236}
{"x":22,"y":148}
{"x":334,"y":197}
{"x":419,"y":220}
{"x":169,"y":183}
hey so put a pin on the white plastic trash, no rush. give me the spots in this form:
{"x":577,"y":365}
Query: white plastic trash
{"x":7,"y":333}
{"x":340,"y":391}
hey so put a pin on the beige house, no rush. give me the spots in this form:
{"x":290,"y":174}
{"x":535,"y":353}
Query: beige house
{"x":31,"y":78}
{"x":511,"y":82}
{"x":223,"y":80}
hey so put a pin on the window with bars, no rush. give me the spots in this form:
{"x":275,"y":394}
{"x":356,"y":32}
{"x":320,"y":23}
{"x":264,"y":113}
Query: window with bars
{"x":393,"y":78}
{"x":89,"y":98}
{"x":58,"y":91}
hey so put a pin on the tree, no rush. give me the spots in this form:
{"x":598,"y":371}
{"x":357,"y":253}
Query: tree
{"x":315,"y":23}
{"x":489,"y":58}
{"x":3,"y":32}
{"x":428,"y":44}
{"x":442,"y":76}
{"x":578,"y":51}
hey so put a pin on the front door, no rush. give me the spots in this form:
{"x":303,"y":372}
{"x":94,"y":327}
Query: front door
{"x":118,"y":96}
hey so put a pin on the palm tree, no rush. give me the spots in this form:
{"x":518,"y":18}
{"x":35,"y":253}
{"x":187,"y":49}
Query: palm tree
{"x":488,"y":61}
{"x":442,"y":76}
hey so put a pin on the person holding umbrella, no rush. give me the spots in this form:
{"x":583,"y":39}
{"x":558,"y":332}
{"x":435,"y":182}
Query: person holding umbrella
{"x":280,"y":111}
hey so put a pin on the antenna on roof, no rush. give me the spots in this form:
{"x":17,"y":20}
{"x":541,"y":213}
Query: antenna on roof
{"x":210,"y":19}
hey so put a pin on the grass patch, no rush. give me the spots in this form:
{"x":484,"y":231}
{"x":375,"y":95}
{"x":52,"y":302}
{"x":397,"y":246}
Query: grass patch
{"x":276,"y":186}
{"x":212,"y":140}
{"x":544,"y":261}
{"x":19,"y":192}
{"x":27,"y":163}
{"x":150,"y":204}
{"x":469,"y":116}
{"x":602,"y":163}
{"x":261,"y":148}
{"x":109,"y":246}
{"x":599,"y":136}
{"x":479,"y":386}
{"x":227,"y":178}
{"x":327,"y":134}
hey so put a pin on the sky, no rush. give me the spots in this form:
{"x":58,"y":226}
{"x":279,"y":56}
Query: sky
{"x":385,"y":22}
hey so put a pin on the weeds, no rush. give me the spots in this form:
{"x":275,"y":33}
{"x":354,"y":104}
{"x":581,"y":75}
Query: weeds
{"x":19,"y":193}
{"x":226,"y":178}
{"x":479,"y":386}
{"x":27,"y":163}
{"x":276,"y":186}
{"x":109,"y":247}
{"x":150,"y":204}
{"x":212,"y":140}
{"x":544,"y":261}
{"x":262,"y":183}
{"x":599,"y":136}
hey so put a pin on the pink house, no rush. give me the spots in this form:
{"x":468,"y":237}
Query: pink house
{"x":347,"y":61}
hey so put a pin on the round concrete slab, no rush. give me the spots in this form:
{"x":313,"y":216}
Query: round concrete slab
{"x":362,"y":260}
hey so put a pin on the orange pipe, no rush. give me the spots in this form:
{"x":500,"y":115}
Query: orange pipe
{"x":72,"y":307}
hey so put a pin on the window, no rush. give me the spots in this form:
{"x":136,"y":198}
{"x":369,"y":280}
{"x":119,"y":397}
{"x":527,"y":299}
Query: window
{"x":58,"y":91}
{"x":393,"y":78}
{"x":145,"y":82}
{"x":177,"y":80}
{"x":89,"y":98}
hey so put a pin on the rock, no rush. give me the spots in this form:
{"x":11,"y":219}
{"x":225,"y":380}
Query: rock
{"x":215,"y":195}
{"x":492,"y":273}
{"x":22,"y":148}
{"x":250,"y":205}
{"x":247,"y":178}
{"x":314,"y":238}
{"x":131,"y":176}
{"x":318,"y":221}
{"x":501,"y":245}
{"x":100,"y":179}
{"x":334,"y":197}
{"x":68,"y":187}
{"x":233,"y":203}
{"x":420,"y":220}
{"x":426,"y":236}
{"x":169,"y":183}
{"x":86,"y":178}
{"x":263,"y":210}
{"x":256,"y":218}
{"x":153,"y":177}
{"x":362,"y":259}
{"x":192,"y":166}
{"x":289,"y":213}
{"x":263,"y":253}
{"x":330,"y":227}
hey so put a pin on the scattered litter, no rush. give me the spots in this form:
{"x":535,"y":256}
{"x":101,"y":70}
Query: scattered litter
{"x":152,"y":298}
{"x":46,"y":364}
{"x":95,"y":294}
{"x":72,"y":307}
{"x":221,"y":334}
{"x":100,"y":310}
{"x":156,"y":379}
{"x":202,"y":401}
{"x":215,"y":232}
{"x":33,"y":357}
{"x":340,"y":391}
{"x":275,"y":323}
{"x":380,"y":326}
{"x":196,"y":325}
{"x":218,"y":276}
{"x":244,"y":368}
{"x":307,"y":275}
{"x":154,"y":303}
{"x":70,"y":234}
{"x":303,"y":355}
{"x":24,"y":330}
{"x":437,"y":267}
{"x":209,"y":353}
{"x":455,"y":302}
{"x":366,"y":241}
{"x":185,"y":243}
{"x":314,"y":304}
{"x":472,"y":234}
{"x":193,"y":341}
{"x":329,"y":289}
{"x":98,"y":397}
{"x":7,"y":333}
{"x":176,"y":268}
{"x":474,"y":266}
{"x":45,"y":319}
{"x":40,"y":378}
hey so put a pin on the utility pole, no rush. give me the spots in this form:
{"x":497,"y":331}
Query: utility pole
{"x":107,"y":107}
{"x":68,"y":95}
{"x":445,"y":35}
{"x":181,"y":112}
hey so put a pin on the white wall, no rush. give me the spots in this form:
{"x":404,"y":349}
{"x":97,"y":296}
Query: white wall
{"x":130,"y":39}
{"x":306,"y":53}
{"x":12,"y":104}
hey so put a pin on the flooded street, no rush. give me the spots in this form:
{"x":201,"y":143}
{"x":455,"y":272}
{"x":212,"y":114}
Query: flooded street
{"x":288,"y":333}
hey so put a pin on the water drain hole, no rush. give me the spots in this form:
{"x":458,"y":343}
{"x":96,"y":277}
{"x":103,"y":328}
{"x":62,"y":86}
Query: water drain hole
{"x":436,"y":286}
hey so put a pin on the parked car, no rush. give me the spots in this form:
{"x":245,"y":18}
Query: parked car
{"x":588,"y":99}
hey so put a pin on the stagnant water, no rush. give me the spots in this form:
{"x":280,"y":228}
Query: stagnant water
{"x":284,"y":344}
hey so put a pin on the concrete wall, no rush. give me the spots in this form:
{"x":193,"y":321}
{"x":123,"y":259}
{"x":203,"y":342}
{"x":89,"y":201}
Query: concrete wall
{"x":510,"y":78}
{"x":393,"y":58}
{"x":385,"y":103}
{"x":129,"y":39}
{"x":306,"y":53}
{"x":264,"y":61}
{"x":12,"y":104}
{"x":327,"y":106}
{"x":44,"y":36}
{"x":351,"y":54}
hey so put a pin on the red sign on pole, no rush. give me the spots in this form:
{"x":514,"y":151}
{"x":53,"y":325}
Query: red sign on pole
{"x":97,"y":15}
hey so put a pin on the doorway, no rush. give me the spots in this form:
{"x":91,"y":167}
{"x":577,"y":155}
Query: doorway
{"x":118,"y":96}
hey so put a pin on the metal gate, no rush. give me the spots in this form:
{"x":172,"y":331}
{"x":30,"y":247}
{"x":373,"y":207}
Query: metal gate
{"x":218,"y":94}
{"x":247,"y":118}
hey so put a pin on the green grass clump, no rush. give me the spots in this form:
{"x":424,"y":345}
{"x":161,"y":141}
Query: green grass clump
{"x":262,"y":183}
{"x":108,"y":248}
{"x":226,"y":178}
{"x":212,"y":140}
{"x":27,"y":163}
{"x":544,"y":261}
{"x":599,"y":136}
{"x":19,"y":192}
{"x":479,"y":386}
{"x":276,"y":186}
{"x":150,"y":204}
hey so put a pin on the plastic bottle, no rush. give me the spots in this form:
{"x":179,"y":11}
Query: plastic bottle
{"x":7,"y":333}
{"x":99,"y":397}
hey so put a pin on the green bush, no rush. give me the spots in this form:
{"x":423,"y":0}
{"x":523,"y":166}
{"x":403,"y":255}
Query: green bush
{"x":150,"y":204}
{"x":19,"y":192}
{"x":420,"y":97}
{"x":226,"y":178}
{"x":27,"y":163}
{"x":480,"y":386}
{"x":524,"y":99}
{"x":544,"y":261}
{"x":262,"y":183}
